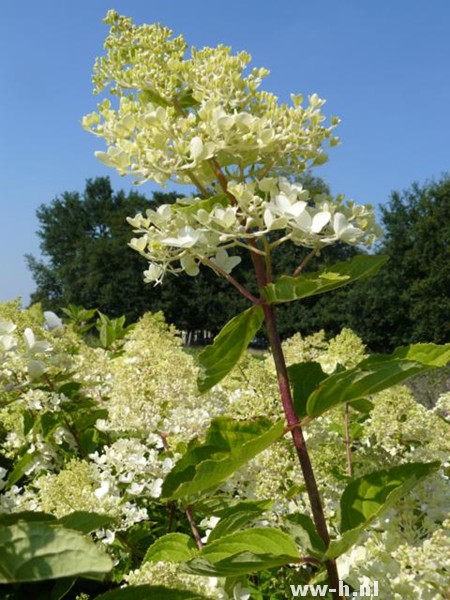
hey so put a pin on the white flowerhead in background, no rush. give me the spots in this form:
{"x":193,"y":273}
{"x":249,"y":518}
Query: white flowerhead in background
{"x":6,"y":327}
{"x":34,"y":346}
{"x":52,"y":321}
{"x":7,"y":341}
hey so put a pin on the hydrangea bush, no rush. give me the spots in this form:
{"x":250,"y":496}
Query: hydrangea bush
{"x":140,"y":419}
{"x":230,"y":475}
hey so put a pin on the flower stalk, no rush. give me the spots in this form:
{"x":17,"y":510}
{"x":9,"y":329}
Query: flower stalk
{"x":299,"y":442}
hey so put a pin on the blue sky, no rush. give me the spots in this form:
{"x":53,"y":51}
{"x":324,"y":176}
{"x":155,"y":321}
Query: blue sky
{"x":383,"y":67}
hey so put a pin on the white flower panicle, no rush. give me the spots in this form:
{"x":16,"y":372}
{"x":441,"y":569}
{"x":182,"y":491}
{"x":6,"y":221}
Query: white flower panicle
{"x":180,"y":237}
{"x":200,"y":118}
{"x":175,"y":113}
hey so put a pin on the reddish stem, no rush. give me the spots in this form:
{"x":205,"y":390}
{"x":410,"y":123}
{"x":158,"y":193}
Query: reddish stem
{"x":296,"y":430}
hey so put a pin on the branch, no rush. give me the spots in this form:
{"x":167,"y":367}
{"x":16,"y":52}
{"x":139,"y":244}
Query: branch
{"x":193,"y":524}
{"x":253,"y":299}
{"x":348,"y":440}
{"x":304,"y":262}
{"x":198,"y":184}
{"x":221,"y":179}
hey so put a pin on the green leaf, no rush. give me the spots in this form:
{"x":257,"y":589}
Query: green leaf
{"x":217,"y":360}
{"x":245,"y":552}
{"x":50,"y":422}
{"x":365,"y":498}
{"x":287,"y":289}
{"x":173,"y":547}
{"x":85,"y":522}
{"x":69,"y":389}
{"x":20,"y":468}
{"x":304,"y":377}
{"x":228,"y":445}
{"x":190,"y":207}
{"x":376,"y":373}
{"x":88,"y":419}
{"x":302,"y":528}
{"x":237,"y":516}
{"x":149,"y":592}
{"x":363,"y":405}
{"x":62,"y":587}
{"x":29,"y":419}
{"x":26,"y":515}
{"x":37,"y":551}
{"x":151,"y":96}
{"x":187,"y":100}
{"x":90,"y":439}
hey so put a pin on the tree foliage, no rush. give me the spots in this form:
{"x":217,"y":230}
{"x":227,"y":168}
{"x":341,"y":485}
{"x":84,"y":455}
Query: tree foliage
{"x":409,"y":301}
{"x":84,"y":239}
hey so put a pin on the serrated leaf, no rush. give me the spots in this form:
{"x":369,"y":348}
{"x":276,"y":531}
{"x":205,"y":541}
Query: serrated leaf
{"x":365,"y":498}
{"x":85,"y":522}
{"x":37,"y":551}
{"x":237,"y":516}
{"x":287,"y":289}
{"x":245,"y":552}
{"x":218,"y":360}
{"x":150,"y":592}
{"x":304,"y":377}
{"x":376,"y":373}
{"x":228,"y":445}
{"x":172,"y":547}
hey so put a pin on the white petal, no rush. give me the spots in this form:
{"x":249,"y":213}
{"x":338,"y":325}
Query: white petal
{"x":102,"y":490}
{"x":52,"y":321}
{"x":340,"y":223}
{"x":319,"y":221}
{"x":36,"y":368}
{"x":268,"y":218}
{"x":196,"y":148}
{"x":29,"y":338}
{"x":303,"y":221}
{"x":190,"y":266}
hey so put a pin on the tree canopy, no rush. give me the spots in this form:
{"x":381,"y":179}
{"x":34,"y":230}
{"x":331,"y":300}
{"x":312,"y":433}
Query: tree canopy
{"x":409,"y":301}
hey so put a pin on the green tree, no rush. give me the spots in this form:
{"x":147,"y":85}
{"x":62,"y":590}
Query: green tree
{"x":410,"y":300}
{"x":84,"y":240}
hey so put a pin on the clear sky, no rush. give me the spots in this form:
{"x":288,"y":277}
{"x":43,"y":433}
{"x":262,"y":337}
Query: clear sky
{"x":382,"y":65}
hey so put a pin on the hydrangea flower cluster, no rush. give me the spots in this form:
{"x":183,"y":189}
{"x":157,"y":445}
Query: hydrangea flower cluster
{"x":200,"y":120}
{"x":178,"y":238}
{"x":152,"y":405}
{"x":175,"y":114}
